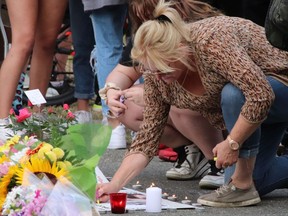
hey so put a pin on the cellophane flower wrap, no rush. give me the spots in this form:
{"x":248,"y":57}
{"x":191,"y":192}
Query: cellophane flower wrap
{"x":47,"y":173}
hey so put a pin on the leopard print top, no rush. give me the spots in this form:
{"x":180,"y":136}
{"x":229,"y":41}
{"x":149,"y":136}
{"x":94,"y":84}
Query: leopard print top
{"x":226,"y":49}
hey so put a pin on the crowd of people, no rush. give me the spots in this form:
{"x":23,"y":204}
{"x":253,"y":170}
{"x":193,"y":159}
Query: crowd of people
{"x":206,"y":84}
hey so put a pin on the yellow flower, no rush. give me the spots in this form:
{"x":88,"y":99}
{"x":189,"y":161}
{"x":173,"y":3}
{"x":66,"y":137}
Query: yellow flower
{"x":37,"y":166}
{"x":61,"y":164}
{"x":3,"y":158}
{"x":68,"y":163}
{"x":51,"y":155}
{"x":42,"y":151}
{"x":58,"y":152}
{"x":5,"y":181}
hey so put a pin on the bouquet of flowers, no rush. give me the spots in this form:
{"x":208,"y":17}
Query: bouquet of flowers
{"x":35,"y":174}
{"x":48,"y":125}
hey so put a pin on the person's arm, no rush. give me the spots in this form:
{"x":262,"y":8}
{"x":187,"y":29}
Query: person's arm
{"x":131,"y":166}
{"x":122,"y":77}
{"x":231,"y":60}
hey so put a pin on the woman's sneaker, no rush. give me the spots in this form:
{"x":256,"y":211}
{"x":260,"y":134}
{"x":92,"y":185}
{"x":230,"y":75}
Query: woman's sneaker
{"x":118,"y":138}
{"x":83,"y":116}
{"x":230,"y":196}
{"x":191,"y":164}
{"x":214,"y":179}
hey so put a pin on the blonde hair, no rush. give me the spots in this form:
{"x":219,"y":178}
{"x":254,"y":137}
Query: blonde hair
{"x":159,"y":42}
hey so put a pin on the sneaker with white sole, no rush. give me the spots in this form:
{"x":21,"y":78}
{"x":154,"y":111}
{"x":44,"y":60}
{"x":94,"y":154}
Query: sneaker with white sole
{"x":83,"y":116}
{"x":191,"y":164}
{"x":118,"y":138}
{"x":230,"y":196}
{"x":214,"y":179}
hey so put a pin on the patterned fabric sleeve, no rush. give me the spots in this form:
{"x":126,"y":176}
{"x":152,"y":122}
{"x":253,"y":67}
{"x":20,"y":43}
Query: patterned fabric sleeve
{"x":154,"y":120}
{"x":224,"y":54}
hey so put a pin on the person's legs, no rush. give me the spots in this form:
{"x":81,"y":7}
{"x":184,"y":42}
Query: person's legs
{"x":108,"y":32}
{"x":267,"y":139}
{"x":83,"y":42}
{"x":49,"y":20}
{"x":23,"y":17}
{"x":271,"y":172}
{"x":23,"y":28}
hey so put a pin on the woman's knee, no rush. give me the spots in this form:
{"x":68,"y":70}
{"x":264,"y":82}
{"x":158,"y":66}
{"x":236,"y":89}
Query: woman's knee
{"x":231,"y":97}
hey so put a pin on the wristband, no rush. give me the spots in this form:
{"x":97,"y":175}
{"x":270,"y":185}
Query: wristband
{"x":103,"y":91}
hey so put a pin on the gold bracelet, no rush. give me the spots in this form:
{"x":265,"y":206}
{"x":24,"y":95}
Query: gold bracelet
{"x":103,"y":91}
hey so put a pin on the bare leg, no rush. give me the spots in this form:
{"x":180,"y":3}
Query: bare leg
{"x":23,"y":17}
{"x":50,"y":17}
{"x":197,"y":129}
{"x":242,"y":177}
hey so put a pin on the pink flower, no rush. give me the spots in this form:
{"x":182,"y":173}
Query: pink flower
{"x":66,"y":107}
{"x":70,"y":115}
{"x":11,"y":111}
{"x":50,"y":110}
{"x":23,"y":114}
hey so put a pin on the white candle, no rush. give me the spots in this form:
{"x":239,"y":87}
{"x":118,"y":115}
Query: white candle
{"x":186,"y":201}
{"x":165,"y":195}
{"x":172,"y":198}
{"x":153,"y":199}
{"x":137,"y":186}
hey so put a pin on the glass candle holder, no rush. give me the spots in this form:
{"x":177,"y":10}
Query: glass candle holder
{"x":118,"y":202}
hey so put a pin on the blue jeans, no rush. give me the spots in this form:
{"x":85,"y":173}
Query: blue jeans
{"x":270,"y":172}
{"x":83,"y":42}
{"x":108,"y":25}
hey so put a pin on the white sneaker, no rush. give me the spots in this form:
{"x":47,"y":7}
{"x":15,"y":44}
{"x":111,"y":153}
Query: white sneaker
{"x":214,"y":179}
{"x":191,"y":164}
{"x":83,"y":116}
{"x":118,"y":138}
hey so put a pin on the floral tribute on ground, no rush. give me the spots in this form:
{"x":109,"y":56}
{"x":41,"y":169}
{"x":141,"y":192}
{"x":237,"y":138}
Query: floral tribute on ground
{"x":55,"y":176}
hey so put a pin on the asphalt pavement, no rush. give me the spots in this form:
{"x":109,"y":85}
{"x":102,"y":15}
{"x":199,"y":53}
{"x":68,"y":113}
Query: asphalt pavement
{"x":275,"y":203}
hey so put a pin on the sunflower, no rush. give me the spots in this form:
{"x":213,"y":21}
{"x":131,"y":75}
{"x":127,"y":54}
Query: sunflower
{"x":3,"y":159}
{"x":6,"y":183}
{"x":39,"y":167}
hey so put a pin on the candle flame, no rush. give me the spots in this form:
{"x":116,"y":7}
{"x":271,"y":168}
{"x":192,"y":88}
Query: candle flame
{"x":186,"y":197}
{"x":173,"y":195}
{"x":152,"y":185}
{"x":137,"y":182}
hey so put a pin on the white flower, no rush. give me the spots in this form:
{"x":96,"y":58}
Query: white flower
{"x":17,"y":156}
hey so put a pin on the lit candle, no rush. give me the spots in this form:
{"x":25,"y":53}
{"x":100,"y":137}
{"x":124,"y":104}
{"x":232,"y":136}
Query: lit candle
{"x":165,"y":195}
{"x":153,"y":199}
{"x":137,"y":186}
{"x":172,"y":198}
{"x":186,"y":201}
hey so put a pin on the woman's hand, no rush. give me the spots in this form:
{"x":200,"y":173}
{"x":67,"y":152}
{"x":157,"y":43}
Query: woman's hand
{"x":135,"y":94}
{"x":225,"y":155}
{"x":113,"y":101}
{"x":103,"y":191}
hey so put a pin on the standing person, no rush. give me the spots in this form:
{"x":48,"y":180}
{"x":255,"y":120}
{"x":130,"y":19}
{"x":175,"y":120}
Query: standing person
{"x":35,"y":25}
{"x":108,"y":18}
{"x":225,"y":68}
{"x":83,"y":42}
{"x":191,"y":163}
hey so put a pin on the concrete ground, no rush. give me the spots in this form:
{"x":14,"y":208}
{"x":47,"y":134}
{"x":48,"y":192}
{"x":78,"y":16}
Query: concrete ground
{"x":275,"y":203}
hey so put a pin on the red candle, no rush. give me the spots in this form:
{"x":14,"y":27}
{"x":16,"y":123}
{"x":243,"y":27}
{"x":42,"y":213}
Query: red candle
{"x":118,"y":202}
